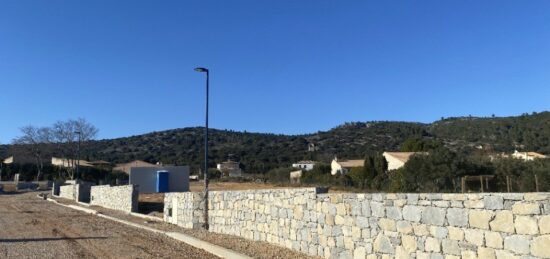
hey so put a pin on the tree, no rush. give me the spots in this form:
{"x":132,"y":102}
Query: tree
{"x":65,"y":136}
{"x":33,"y":141}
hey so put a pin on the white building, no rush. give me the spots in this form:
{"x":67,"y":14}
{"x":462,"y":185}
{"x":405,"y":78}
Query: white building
{"x":397,"y":160}
{"x":304,"y":165}
{"x":527,"y":156}
{"x":344,"y":166}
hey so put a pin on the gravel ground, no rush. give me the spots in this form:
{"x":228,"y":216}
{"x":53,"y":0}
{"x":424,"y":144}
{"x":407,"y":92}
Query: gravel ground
{"x":34,"y":228}
{"x":253,"y":249}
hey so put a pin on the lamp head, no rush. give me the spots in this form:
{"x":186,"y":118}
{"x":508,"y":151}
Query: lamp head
{"x":201,"y":69}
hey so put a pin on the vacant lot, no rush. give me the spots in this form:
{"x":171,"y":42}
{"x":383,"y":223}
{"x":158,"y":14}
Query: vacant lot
{"x":33,"y":228}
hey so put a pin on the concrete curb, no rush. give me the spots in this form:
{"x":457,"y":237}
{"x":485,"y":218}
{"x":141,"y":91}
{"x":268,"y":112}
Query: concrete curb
{"x":211,"y":248}
{"x":146,"y":217}
{"x":195,"y":242}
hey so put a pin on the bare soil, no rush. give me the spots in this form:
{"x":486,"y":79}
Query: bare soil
{"x":35,"y":228}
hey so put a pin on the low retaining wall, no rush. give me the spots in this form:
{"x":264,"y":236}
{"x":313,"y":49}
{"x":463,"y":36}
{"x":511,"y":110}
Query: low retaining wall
{"x":489,"y":225}
{"x":124,"y":198}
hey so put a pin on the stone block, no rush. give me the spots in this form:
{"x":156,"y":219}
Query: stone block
{"x":382,"y":244}
{"x":409,"y":243}
{"x":503,"y":222}
{"x":474,"y":236}
{"x":387,"y":224}
{"x":421,"y":230}
{"x":432,"y":245}
{"x":457,"y":217}
{"x":535,"y":196}
{"x":467,"y":254}
{"x":544,"y":224}
{"x":404,"y":227}
{"x":480,"y":218}
{"x":394,"y":213}
{"x":377,"y":209}
{"x":493,"y":239}
{"x":493,"y":202}
{"x":456,"y":233}
{"x":359,"y":253}
{"x":438,"y":232}
{"x":517,"y":244}
{"x":433,"y":216}
{"x":524,"y":208}
{"x":401,"y":253}
{"x":450,"y":247}
{"x":412,"y":213}
{"x":486,"y":253}
{"x":474,"y":204}
{"x":526,"y":225}
{"x":540,"y":246}
{"x":503,"y":254}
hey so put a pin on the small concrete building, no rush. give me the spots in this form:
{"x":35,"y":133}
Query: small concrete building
{"x":147,"y":178}
{"x":397,"y":160}
{"x":230,"y":168}
{"x":343,"y":166}
{"x":304,"y":165}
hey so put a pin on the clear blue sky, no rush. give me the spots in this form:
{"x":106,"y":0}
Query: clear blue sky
{"x":279,"y":66}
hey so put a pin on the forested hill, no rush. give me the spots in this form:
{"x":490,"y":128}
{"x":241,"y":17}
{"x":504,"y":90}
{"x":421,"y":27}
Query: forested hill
{"x":259,"y":152}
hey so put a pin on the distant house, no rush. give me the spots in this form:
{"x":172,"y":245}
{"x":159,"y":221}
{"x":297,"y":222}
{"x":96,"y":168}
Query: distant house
{"x":125,"y":167}
{"x":343,"y":166}
{"x":22,"y":159}
{"x":229,"y":168}
{"x":304,"y":165}
{"x":397,"y":160}
{"x":67,"y":163}
{"x":527,"y":156}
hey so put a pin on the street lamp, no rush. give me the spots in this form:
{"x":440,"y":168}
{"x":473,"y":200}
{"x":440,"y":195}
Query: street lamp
{"x":205,"y":226}
{"x":78,"y":155}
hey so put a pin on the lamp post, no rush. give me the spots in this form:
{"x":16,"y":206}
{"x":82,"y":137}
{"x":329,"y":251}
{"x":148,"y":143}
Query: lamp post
{"x":205,"y":226}
{"x":78,"y":155}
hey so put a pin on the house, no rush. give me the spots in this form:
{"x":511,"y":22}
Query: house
{"x":70,"y":163}
{"x":527,"y":156}
{"x":22,"y":159}
{"x":343,"y":166}
{"x":304,"y":165}
{"x":125,"y":167}
{"x":229,"y":168}
{"x":397,"y":160}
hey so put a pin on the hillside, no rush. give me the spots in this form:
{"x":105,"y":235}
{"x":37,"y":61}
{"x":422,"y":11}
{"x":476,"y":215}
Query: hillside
{"x":260,"y":152}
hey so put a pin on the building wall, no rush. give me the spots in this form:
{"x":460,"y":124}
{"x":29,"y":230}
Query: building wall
{"x":124,"y":198}
{"x":387,"y":225}
{"x":393,"y":163}
{"x":146,"y":178}
{"x":67,"y":191}
{"x":306,"y":167}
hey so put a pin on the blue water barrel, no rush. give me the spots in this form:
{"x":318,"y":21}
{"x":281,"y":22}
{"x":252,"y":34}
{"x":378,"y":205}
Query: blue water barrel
{"x":162,"y":181}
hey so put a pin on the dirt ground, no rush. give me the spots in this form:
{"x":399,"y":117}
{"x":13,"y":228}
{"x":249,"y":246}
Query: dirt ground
{"x":198,"y":186}
{"x":34,"y":228}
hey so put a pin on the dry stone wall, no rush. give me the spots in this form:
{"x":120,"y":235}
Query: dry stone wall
{"x":490,"y":225}
{"x":184,"y":209}
{"x":124,"y":198}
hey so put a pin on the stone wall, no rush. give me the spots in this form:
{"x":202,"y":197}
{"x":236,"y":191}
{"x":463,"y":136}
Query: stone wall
{"x":184,"y":209}
{"x":123,"y":198}
{"x":67,"y":191}
{"x":489,"y":225}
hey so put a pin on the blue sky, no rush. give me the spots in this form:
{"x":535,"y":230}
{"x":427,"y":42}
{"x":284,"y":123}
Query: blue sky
{"x":276,"y":66}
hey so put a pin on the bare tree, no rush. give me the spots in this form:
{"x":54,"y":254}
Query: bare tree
{"x":65,"y":136}
{"x":33,"y":141}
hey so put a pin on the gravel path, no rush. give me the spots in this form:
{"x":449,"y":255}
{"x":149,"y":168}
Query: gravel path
{"x":34,"y":228}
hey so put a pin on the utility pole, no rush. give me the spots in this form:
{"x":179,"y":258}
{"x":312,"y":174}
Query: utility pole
{"x":78,"y":155}
{"x":205,"y":225}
